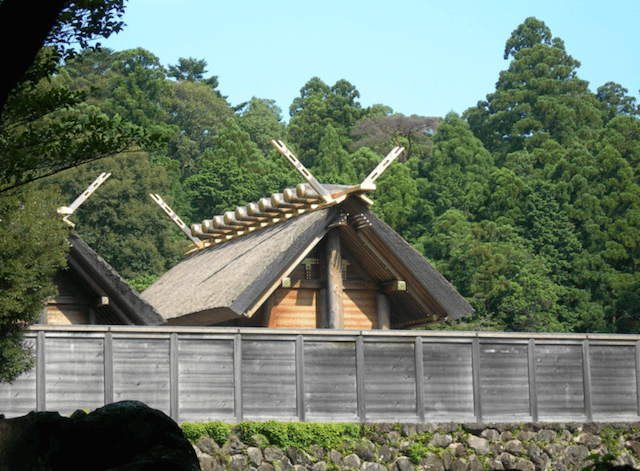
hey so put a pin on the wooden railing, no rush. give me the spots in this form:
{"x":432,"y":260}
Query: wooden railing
{"x":229,"y":374}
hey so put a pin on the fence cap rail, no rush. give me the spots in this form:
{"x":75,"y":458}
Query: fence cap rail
{"x":347,"y":333}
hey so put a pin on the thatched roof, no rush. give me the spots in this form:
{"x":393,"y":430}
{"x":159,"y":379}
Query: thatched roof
{"x":233,"y":279}
{"x":228,"y":280}
{"x":125,"y":305}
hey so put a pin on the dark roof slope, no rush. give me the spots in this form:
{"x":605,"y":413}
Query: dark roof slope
{"x":103,"y":279}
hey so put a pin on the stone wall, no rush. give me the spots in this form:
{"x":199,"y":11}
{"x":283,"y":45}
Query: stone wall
{"x":439,"y":447}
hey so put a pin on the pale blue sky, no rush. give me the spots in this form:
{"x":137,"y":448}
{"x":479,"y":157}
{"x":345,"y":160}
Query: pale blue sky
{"x":418,"y":57}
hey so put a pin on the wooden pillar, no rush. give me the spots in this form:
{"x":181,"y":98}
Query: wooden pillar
{"x":335,"y":302}
{"x":384,"y":311}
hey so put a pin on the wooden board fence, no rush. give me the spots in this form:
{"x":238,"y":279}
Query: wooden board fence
{"x":229,"y":374}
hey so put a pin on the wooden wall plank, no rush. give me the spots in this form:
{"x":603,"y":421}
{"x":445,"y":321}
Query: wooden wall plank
{"x":206,"y":380}
{"x":268,"y":379}
{"x":389,"y":381}
{"x":237,"y":378}
{"x":330,"y":381}
{"x":613,"y":381}
{"x":41,"y":369}
{"x":300,"y":367}
{"x":504,"y":382}
{"x":448,"y":381}
{"x":108,"y":368}
{"x":141,"y":371}
{"x":360,"y":379}
{"x":559,"y":381}
{"x":419,"y":358}
{"x":75,"y":374}
{"x":19,"y":397}
{"x":533,"y":392}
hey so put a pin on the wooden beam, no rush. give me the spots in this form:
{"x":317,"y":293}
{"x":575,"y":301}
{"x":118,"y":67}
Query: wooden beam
{"x":335,"y":301}
{"x":384,"y":311}
{"x":393,"y":286}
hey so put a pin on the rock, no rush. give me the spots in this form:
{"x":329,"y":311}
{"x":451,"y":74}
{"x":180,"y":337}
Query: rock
{"x":318,"y":452}
{"x":255,"y":455}
{"x":542,"y":463}
{"x":474,"y":464}
{"x":370,"y":466}
{"x":561,"y":464}
{"x":319,"y":466}
{"x":384,"y":427}
{"x":490,"y":434}
{"x":431,"y":462}
{"x":634,"y":446}
{"x":494,"y":465}
{"x":534,"y":451}
{"x":554,"y":450}
{"x":144,"y":437}
{"x":525,"y":436}
{"x":545,"y":435}
{"x":268,"y":467}
{"x":208,"y":445}
{"x":233,"y":446}
{"x":447,"y":461}
{"x":272,"y":454}
{"x":496,"y":448}
{"x":458,"y":450}
{"x":298,"y":456}
{"x":565,"y":437}
{"x":404,"y":445}
{"x":506,"y":436}
{"x":478,"y":444}
{"x":474,"y":428}
{"x":393,"y":436}
{"x":238,"y":462}
{"x":385,"y":453}
{"x":576,"y":453}
{"x":351,"y":461}
{"x":525,"y":465}
{"x":514,"y":447}
{"x":260,"y":441}
{"x":588,"y":440}
{"x":402,"y":464}
{"x":283,"y":463}
{"x":408,"y":430}
{"x":426,"y":428}
{"x":441,"y":441}
{"x":335,"y":457}
{"x":449,"y":427}
{"x":508,"y":460}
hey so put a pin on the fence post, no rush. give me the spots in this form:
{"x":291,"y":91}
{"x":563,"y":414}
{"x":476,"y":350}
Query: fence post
{"x":41,"y":385}
{"x":108,"y":368}
{"x":638,"y":375}
{"x":475,"y":367}
{"x":533,"y":388}
{"x":419,"y":379}
{"x":300,"y":378}
{"x":237,"y":376}
{"x":586,"y":380}
{"x":174,"y":390}
{"x":362,"y":410}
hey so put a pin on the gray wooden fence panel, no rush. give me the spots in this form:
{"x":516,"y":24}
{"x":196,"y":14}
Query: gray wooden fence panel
{"x":269,"y":379}
{"x":19,"y":398}
{"x":448,"y":381}
{"x":205,"y":380}
{"x":390,"y":388}
{"x":560,"y":387}
{"x":141,"y":371}
{"x":265,"y":374}
{"x":330,"y":381}
{"x":74,"y":374}
{"x":504,"y":382}
{"x":613,"y":381}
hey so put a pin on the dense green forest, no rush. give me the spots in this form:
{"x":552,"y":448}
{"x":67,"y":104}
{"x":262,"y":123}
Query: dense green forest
{"x":528,"y":202}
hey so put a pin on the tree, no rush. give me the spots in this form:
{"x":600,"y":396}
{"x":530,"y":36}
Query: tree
{"x":539,"y":97}
{"x":396,"y":130}
{"x":333,"y":163}
{"x":33,"y":244}
{"x":193,"y":70}
{"x":262,"y":120}
{"x":58,"y":23}
{"x":120,"y":221}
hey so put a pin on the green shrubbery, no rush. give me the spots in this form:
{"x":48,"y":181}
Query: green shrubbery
{"x":219,"y":431}
{"x":278,"y":434}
